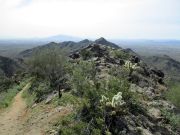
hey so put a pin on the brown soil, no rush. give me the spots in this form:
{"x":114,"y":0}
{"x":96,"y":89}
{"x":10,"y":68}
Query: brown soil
{"x":20,"y":120}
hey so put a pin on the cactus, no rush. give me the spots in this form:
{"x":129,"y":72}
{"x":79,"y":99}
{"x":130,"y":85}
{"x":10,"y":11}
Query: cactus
{"x":117,"y":100}
{"x":104,"y":99}
{"x":130,"y":66}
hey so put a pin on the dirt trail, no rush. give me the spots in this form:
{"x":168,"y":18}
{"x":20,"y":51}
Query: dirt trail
{"x":11,"y":119}
{"x":19,"y":120}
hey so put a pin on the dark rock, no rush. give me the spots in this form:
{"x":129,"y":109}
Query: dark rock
{"x":98,"y":51}
{"x":135,"y":59}
{"x":139,"y":80}
{"x":75,"y":55}
{"x":121,"y":62}
{"x":159,"y":73}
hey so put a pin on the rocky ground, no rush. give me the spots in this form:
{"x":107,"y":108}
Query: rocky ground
{"x":145,"y":81}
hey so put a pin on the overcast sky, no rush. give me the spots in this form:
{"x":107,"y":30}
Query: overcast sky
{"x":142,"y":19}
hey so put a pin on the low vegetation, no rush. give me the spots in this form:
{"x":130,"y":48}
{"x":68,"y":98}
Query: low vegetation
{"x":173,"y":95}
{"x":172,"y":118}
{"x":6,"y":97}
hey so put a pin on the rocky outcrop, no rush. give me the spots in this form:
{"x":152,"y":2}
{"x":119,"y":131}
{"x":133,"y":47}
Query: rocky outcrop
{"x":142,"y":76}
{"x":146,"y":117}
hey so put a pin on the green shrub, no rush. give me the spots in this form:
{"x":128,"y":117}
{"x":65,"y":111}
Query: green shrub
{"x":173,"y":95}
{"x":68,"y":98}
{"x":120,"y":54}
{"x":86,"y":54}
{"x":40,"y":89}
{"x":116,"y":85}
{"x":48,"y":64}
{"x":7,"y":97}
{"x":69,"y":125}
{"x":83,"y":77}
{"x":119,"y":72}
{"x":29,"y":98}
{"x":172,"y":118}
{"x":5,"y":83}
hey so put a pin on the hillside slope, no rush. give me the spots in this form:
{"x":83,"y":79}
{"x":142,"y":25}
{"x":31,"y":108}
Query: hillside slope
{"x":8,"y":66}
{"x":140,"y":114}
{"x":169,"y":66}
{"x":100,"y":88}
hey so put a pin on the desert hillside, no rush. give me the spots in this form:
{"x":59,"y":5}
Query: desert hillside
{"x":93,"y":88}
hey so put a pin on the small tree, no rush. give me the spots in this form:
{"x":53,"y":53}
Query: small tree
{"x":48,"y":64}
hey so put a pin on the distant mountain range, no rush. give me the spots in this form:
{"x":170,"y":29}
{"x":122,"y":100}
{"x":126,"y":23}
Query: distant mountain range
{"x":68,"y":45}
{"x":62,"y":38}
{"x":39,"y":41}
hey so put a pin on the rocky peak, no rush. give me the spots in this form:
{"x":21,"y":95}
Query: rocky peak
{"x":103,"y":41}
{"x":84,"y":41}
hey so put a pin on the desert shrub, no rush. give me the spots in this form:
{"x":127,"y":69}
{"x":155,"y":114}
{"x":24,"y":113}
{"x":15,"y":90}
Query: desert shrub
{"x":120,"y":54}
{"x":5,"y":83}
{"x":86,"y":54}
{"x":69,"y":125}
{"x":7,"y":97}
{"x":172,"y":118}
{"x":82,"y":75}
{"x":173,"y":95}
{"x":48,"y":63}
{"x":68,"y":98}
{"x":119,"y":72}
{"x":116,"y":85}
{"x":39,"y":89}
{"x":29,"y":98}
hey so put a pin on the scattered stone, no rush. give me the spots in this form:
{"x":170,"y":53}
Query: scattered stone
{"x":34,"y":105}
{"x":50,"y":97}
{"x":58,"y":109}
{"x":156,"y":113}
{"x":144,"y":131}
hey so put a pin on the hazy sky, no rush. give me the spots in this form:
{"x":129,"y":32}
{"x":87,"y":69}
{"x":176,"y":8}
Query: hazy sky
{"x":147,"y":19}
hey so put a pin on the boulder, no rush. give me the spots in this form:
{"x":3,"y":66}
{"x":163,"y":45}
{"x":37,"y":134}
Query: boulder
{"x":135,"y":59}
{"x":75,"y":55}
{"x":159,"y":73}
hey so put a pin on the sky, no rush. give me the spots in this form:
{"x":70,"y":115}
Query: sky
{"x":117,"y":19}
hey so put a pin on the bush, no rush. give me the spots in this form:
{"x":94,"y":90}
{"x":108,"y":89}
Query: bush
{"x":120,"y":54}
{"x":171,"y":118}
{"x":82,"y":76}
{"x":5,"y":83}
{"x":39,"y":89}
{"x":48,"y":64}
{"x":116,"y":85}
{"x":173,"y":95}
{"x":86,"y":54}
{"x":7,"y":97}
{"x":119,"y":72}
